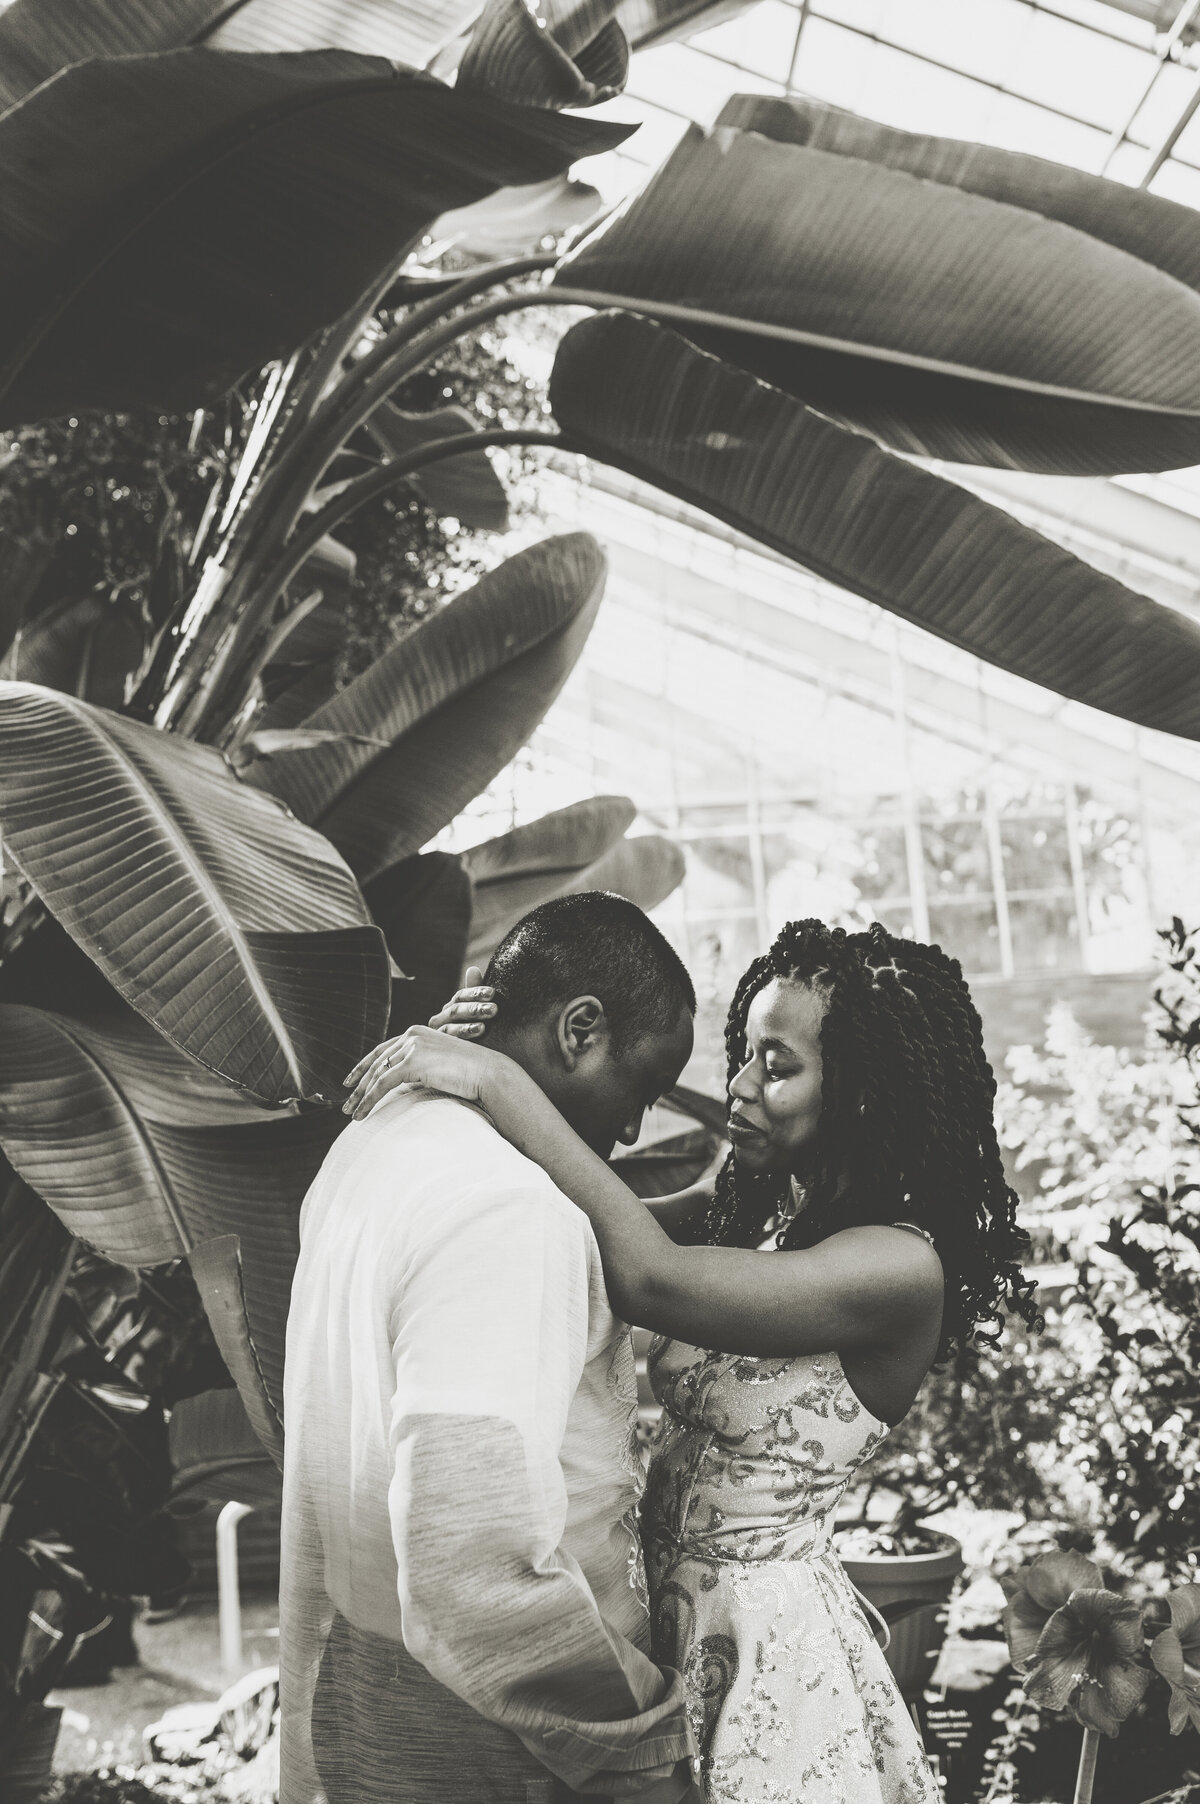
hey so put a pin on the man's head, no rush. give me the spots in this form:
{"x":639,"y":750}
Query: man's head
{"x":598,"y":1009}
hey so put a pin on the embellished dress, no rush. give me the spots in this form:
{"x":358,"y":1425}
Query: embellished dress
{"x":791,"y":1699}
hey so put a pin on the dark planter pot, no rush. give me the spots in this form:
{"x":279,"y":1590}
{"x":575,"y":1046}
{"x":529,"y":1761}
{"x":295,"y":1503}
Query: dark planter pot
{"x":911,"y":1591}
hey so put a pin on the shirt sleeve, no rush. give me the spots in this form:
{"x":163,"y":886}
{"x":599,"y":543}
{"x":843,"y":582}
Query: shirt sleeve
{"x":489,"y":1340}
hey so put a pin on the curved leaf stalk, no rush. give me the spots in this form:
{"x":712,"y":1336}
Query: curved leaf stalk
{"x":221,"y":705}
{"x":196,"y":649}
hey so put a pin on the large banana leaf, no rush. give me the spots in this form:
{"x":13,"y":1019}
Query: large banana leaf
{"x":456,"y":700}
{"x":515,"y":871}
{"x":644,"y":870}
{"x":139,"y":1175}
{"x":466,"y":488}
{"x":949,"y":324}
{"x":640,"y":397}
{"x":238,"y":932}
{"x":40,"y":37}
{"x":650,"y":22}
{"x":513,"y":222}
{"x":216,"y":1265}
{"x":169,"y":221}
{"x":567,"y":53}
{"x":1158,"y":231}
{"x":217,"y":1453}
{"x":85,"y":647}
{"x":423,"y":905}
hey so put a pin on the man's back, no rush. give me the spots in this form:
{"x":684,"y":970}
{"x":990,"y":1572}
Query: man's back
{"x":461,"y":1474}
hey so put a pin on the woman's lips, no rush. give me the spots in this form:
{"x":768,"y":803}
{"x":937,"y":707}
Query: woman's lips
{"x":740,"y":1131}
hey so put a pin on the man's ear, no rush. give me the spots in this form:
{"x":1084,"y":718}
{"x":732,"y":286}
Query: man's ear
{"x":582,"y":1027}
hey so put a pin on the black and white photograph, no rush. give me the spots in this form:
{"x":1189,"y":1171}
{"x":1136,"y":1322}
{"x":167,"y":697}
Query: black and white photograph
{"x":600,"y":901}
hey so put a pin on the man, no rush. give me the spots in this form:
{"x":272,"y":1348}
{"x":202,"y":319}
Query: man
{"x":463,"y":1610}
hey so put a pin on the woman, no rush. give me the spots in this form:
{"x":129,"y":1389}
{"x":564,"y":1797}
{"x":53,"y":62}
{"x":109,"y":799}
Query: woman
{"x":860,"y":1111}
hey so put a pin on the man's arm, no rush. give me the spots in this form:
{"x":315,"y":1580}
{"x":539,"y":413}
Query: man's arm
{"x":489,"y":1342}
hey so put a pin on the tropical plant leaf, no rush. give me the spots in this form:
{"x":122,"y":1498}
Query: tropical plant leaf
{"x":423,"y":905}
{"x":331,"y":567}
{"x":948,"y":324}
{"x":397,"y":29}
{"x":277,"y":190}
{"x":467,"y":488}
{"x":238,"y":933}
{"x":1158,"y":231}
{"x":638,"y":396}
{"x":556,"y":845}
{"x":86,"y":648}
{"x":569,"y":53}
{"x":650,"y":22}
{"x":643,"y":870}
{"x":76,"y":1124}
{"x":295,"y":693}
{"x":514,"y":221}
{"x":217,"y":1453}
{"x":40,"y":37}
{"x":457,"y":699}
{"x":216,"y":1266}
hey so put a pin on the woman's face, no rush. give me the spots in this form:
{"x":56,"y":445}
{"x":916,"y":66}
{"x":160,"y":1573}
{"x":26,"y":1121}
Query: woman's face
{"x":775,"y":1099}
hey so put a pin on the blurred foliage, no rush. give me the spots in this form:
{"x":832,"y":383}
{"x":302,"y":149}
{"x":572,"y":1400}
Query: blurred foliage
{"x":109,"y":504}
{"x":1093,"y":1426}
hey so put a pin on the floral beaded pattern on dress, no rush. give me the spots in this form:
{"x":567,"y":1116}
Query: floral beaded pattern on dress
{"x":789,"y":1694}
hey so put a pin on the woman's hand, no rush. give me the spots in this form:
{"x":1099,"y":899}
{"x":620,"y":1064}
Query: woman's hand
{"x":469,"y":1010}
{"x":435,"y":1061}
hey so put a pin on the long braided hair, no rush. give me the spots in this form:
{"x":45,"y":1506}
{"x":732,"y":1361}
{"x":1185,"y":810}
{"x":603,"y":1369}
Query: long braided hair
{"x":906,"y":1131}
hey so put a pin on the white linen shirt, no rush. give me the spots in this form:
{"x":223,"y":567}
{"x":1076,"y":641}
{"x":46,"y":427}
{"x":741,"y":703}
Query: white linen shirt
{"x":461,"y":1478}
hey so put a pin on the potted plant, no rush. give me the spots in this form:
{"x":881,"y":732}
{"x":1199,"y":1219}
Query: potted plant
{"x":907,"y":1572}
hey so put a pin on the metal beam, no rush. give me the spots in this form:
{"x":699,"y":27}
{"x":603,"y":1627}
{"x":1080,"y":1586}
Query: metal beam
{"x":1185,"y":16}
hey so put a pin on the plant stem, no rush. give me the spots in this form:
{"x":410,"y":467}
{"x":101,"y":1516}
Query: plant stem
{"x":211,"y":710}
{"x":1086,"y":1777}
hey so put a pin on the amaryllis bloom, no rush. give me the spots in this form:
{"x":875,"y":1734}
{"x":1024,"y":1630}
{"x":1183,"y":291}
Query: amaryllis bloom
{"x":1036,"y":1592}
{"x":1090,"y":1660}
{"x":1176,"y":1654}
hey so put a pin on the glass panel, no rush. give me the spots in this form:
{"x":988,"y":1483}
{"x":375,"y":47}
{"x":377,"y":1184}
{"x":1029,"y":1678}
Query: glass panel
{"x":1035,"y":853}
{"x":956,"y":858}
{"x":898,"y":919}
{"x":718,"y":951}
{"x":968,"y":931}
{"x":1045,"y":934}
{"x":719,"y":874}
{"x":884,"y":867}
{"x":714,"y":814}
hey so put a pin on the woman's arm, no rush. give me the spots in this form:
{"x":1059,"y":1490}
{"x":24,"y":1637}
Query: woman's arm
{"x":858,"y":1289}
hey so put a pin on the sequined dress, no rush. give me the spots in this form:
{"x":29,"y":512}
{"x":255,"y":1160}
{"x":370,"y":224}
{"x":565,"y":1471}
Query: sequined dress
{"x":790,"y":1696}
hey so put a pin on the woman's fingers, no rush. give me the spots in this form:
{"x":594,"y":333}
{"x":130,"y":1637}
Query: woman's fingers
{"x":384,"y":1073}
{"x":471,"y":1005}
{"x":368,"y":1059}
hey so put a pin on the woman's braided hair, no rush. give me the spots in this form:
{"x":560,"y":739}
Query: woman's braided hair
{"x":906,"y":1131}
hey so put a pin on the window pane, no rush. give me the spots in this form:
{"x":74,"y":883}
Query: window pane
{"x":1035,"y":853}
{"x":884,"y":868}
{"x":956,"y":859}
{"x":968,"y":932}
{"x":1045,"y":934}
{"x":719,"y":874}
{"x":718,"y":951}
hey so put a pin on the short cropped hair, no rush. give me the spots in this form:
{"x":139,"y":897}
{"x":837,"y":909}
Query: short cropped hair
{"x":591,"y":944}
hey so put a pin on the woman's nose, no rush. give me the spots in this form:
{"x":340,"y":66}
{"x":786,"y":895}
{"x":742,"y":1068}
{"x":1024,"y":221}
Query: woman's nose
{"x":743,"y":1088}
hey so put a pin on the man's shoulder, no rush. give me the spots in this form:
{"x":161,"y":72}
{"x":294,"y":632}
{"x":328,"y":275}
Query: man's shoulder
{"x":454,"y":1152}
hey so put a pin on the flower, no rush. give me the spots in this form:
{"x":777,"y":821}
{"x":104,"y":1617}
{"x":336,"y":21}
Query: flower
{"x":1176,"y":1654}
{"x":1036,"y":1592}
{"x":1089,"y":1659}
